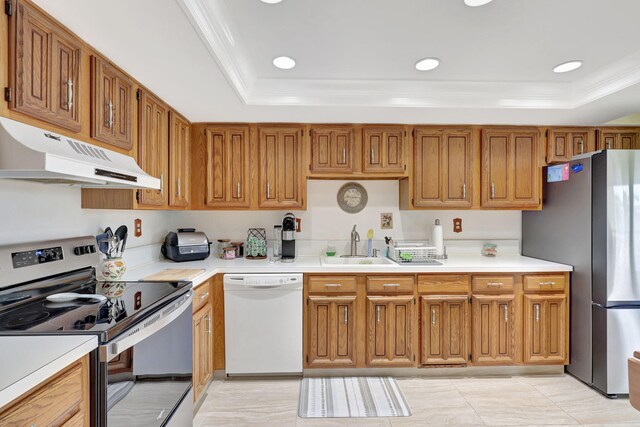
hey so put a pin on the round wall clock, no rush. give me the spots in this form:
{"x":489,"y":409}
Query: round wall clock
{"x":352,"y":197}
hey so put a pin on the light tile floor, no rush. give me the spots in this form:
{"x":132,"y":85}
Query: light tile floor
{"x":496,"y":401}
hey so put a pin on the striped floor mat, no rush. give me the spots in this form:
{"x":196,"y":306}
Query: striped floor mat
{"x":352,"y":397}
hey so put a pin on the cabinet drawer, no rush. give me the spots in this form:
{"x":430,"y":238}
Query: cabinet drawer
{"x":493,"y":284}
{"x":332,"y":284}
{"x":56,"y":401}
{"x":443,"y":284}
{"x":390,"y":284}
{"x":546,"y":283}
{"x":201,"y":295}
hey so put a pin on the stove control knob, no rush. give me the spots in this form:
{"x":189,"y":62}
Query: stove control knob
{"x":78,"y":250}
{"x":92,"y":249}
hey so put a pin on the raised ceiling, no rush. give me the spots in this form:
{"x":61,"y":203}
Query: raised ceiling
{"x":212,"y":59}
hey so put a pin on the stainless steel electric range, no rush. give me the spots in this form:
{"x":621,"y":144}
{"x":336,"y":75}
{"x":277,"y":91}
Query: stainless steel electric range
{"x":141,"y":372}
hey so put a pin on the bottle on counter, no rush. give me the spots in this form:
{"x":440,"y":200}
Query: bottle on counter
{"x":437,"y":238}
{"x":277,"y":240}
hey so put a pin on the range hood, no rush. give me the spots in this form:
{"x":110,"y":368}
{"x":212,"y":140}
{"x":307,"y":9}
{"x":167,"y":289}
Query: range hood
{"x":34,"y":154}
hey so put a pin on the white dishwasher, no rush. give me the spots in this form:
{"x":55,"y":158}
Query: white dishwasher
{"x":263,"y":323}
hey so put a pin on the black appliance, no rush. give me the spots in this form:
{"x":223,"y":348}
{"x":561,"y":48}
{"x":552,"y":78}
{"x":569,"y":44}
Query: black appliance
{"x":186,"y":245}
{"x":288,"y":238}
{"x":144,"y":329}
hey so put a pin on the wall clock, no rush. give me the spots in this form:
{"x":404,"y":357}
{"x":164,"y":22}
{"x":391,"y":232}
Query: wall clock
{"x":352,"y":197}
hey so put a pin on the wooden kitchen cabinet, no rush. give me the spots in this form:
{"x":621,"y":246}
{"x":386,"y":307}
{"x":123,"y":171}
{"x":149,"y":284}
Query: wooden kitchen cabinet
{"x":442,"y":168}
{"x":331,"y":330}
{"x":62,"y":400}
{"x":383,"y":149}
{"x":493,"y":331}
{"x":618,"y":138}
{"x":202,"y":338}
{"x":444,"y":326}
{"x":45,"y":80}
{"x":545,"y":328}
{"x":564,"y":143}
{"x":111,"y":104}
{"x":153,"y":147}
{"x":332,"y":149}
{"x":281,"y":181}
{"x":511,"y":174}
{"x":390,"y":335}
{"x":179,"y":160}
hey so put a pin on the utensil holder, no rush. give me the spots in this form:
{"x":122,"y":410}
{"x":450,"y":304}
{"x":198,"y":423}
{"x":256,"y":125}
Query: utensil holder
{"x":113,"y":268}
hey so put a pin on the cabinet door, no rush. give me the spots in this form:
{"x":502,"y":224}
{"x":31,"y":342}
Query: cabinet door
{"x":331,"y":334}
{"x":65,"y":81}
{"x":390,"y":335}
{"x":153,"y":147}
{"x":608,"y":141}
{"x":331,"y":150}
{"x":383,"y":149}
{"x":628,"y":141}
{"x":580,"y":143}
{"x":179,"y":163}
{"x":456,"y":169}
{"x":525,"y":172}
{"x":427,"y":168}
{"x":545,"y":329}
{"x":493,"y":332}
{"x":111,"y":94}
{"x":202,"y":350}
{"x":496,"y":152}
{"x":281,"y":183}
{"x":46,"y":69}
{"x":559,"y":147}
{"x":444,"y":329}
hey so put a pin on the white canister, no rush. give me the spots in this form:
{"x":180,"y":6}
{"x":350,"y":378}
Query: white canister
{"x":437,"y":238}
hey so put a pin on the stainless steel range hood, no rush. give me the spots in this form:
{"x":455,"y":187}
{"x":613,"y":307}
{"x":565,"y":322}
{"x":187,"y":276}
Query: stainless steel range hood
{"x":34,"y":154}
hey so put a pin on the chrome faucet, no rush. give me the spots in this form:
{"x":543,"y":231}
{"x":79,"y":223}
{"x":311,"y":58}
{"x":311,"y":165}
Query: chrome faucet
{"x":355,"y":238}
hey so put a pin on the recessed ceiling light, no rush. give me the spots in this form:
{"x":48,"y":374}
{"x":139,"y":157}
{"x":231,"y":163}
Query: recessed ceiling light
{"x":427,"y":64}
{"x":284,"y":62}
{"x":270,"y":1}
{"x":473,"y":3}
{"x":567,"y":66}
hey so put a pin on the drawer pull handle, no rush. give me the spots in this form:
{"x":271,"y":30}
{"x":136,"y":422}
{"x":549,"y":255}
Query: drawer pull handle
{"x":344,"y":155}
{"x":391,"y":285}
{"x":433,"y":316}
{"x":547,"y":283}
{"x":203,"y":296}
{"x":333,"y":285}
{"x":537,"y":313}
{"x":346,"y":315}
{"x":493,"y":191}
{"x":495,"y":283}
{"x":378,"y":314}
{"x":464,"y":191}
{"x":506,"y":314}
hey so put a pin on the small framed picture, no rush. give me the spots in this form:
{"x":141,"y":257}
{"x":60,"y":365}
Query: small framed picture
{"x":386,"y":220}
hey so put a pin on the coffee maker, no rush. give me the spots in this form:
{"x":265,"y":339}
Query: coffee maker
{"x":288,"y":238}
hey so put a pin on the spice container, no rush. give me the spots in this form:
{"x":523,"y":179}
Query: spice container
{"x":489,"y":249}
{"x":222,"y":243}
{"x":239,"y":248}
{"x":229,"y":252}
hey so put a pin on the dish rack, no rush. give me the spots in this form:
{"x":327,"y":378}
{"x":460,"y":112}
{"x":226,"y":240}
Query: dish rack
{"x":411,"y":252}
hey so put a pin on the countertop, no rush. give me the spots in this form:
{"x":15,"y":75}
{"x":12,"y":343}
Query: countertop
{"x":28,"y":360}
{"x":459,"y":263}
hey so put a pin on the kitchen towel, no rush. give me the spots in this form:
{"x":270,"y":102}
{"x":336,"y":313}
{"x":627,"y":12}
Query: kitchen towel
{"x":351,"y":397}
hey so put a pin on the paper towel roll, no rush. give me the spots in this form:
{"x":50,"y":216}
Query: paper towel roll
{"x":437,"y":238}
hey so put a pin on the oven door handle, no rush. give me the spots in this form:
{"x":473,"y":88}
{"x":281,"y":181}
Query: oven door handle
{"x":146,"y":328}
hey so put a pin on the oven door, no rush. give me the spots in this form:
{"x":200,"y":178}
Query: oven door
{"x":145,"y":374}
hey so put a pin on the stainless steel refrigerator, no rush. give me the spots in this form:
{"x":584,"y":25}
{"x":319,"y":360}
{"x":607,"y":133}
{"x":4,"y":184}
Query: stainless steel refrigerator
{"x":592,"y":221}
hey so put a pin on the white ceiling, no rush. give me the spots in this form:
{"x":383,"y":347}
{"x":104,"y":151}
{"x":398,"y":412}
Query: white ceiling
{"x":211,"y":59}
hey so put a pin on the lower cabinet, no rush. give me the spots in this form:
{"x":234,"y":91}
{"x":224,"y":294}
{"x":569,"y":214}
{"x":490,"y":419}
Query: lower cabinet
{"x":545,"y":328}
{"x":444,"y":325}
{"x":202,"y":339}
{"x":62,"y":400}
{"x":390,"y":330}
{"x":493,"y":333}
{"x":331,"y":331}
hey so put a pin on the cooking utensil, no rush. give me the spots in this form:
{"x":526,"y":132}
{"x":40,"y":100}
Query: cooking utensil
{"x":121,"y":234}
{"x":103,"y":245}
{"x":70,"y":296}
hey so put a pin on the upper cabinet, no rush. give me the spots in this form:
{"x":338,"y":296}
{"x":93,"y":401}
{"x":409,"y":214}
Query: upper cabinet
{"x":564,"y":143}
{"x":281,"y":183}
{"x":511,"y":173}
{"x":383,"y":149}
{"x":111,"y":104}
{"x":618,"y":138}
{"x":222,"y":175}
{"x":45,"y":69}
{"x":442,"y":168}
{"x":179,"y":160}
{"x":153,"y":147}
{"x":332,"y":149}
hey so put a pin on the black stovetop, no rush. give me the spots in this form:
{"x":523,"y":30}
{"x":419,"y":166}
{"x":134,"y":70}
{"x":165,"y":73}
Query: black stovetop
{"x":25,"y":310}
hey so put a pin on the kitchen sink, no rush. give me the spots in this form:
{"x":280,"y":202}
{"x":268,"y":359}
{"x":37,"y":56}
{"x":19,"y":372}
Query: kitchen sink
{"x":350,"y":261}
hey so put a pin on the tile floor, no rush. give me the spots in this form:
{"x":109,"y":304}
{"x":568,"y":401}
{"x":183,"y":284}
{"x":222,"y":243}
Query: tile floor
{"x":497,"y":401}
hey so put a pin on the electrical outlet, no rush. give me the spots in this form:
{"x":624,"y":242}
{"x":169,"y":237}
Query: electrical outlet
{"x":457,"y":225}
{"x":137,"y":227}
